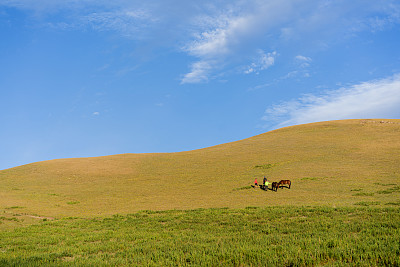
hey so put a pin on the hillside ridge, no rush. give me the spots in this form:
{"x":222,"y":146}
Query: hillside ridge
{"x":334,"y":163}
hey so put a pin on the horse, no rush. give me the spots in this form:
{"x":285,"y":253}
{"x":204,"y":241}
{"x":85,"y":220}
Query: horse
{"x":275,"y":186}
{"x":282,"y":182}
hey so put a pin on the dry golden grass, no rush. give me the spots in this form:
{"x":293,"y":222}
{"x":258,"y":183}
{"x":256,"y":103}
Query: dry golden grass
{"x":336,"y":163}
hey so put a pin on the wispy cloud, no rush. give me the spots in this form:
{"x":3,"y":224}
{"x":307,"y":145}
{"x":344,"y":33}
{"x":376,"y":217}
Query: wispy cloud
{"x":217,"y":34}
{"x":224,"y":34}
{"x":303,"y":58}
{"x":219,"y":40}
{"x":127,"y":18}
{"x":263,"y":62}
{"x":373,"y":99}
{"x":302,"y":64}
{"x":199,"y":72}
{"x":303,"y":61}
{"x":242,"y":29}
{"x":214,"y":45}
{"x":127,"y":21}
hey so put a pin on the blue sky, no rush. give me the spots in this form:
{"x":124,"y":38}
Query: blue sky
{"x":81,"y":78}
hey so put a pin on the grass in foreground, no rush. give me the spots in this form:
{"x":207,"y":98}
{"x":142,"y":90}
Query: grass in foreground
{"x":279,"y":236}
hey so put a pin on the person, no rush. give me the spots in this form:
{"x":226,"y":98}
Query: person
{"x":265,"y":183}
{"x":255,"y":182}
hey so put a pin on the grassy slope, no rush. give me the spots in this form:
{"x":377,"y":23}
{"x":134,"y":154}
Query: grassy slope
{"x":269,"y":236}
{"x":338,"y":163}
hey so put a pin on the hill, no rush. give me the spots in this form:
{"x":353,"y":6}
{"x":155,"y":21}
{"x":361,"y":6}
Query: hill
{"x":335,"y":163}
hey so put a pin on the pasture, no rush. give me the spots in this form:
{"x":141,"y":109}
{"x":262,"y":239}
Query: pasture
{"x":325,"y":162}
{"x":270,"y":236}
{"x":199,"y":208}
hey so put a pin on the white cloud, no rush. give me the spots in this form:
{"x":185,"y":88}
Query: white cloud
{"x":303,"y":63}
{"x":218,"y":41}
{"x":129,"y":19}
{"x":42,"y":7}
{"x":213,"y":45}
{"x":220,"y":32}
{"x":267,"y":60}
{"x":303,"y":58}
{"x":235,"y":32}
{"x":129,"y":22}
{"x":245,"y":26}
{"x":373,"y":99}
{"x":263,"y":62}
{"x":199,"y":72}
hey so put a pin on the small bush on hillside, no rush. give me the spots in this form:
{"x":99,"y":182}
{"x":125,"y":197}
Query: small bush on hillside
{"x":367,"y":203}
{"x":390,"y":190}
{"x":363,"y":194}
{"x":393,"y":203}
{"x":243,"y":188}
{"x":264,"y":166}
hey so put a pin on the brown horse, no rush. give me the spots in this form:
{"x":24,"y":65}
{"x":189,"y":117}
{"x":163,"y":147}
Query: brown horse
{"x":282,"y":182}
{"x":275,"y":186}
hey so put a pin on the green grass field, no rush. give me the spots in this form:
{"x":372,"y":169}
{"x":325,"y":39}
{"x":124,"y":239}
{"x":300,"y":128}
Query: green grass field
{"x":342,"y":208}
{"x":272,"y":236}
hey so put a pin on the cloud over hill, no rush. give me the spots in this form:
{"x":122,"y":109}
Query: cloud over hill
{"x":372,"y":99}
